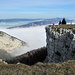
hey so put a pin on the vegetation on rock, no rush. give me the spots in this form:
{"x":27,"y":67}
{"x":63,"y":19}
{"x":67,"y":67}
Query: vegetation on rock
{"x":30,"y":58}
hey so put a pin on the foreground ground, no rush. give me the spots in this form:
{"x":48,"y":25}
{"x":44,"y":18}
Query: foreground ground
{"x":66,"y":68}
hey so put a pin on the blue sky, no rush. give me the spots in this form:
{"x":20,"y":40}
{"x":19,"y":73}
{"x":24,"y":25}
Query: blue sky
{"x":37,"y":8}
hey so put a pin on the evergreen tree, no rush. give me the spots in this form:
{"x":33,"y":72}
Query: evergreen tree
{"x":63,"y":21}
{"x":60,"y":22}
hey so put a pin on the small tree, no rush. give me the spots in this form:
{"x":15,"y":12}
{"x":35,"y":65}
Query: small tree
{"x":63,"y":21}
{"x":60,"y":22}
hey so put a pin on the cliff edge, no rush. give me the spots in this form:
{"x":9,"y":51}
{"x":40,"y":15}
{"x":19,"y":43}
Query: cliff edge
{"x":60,"y":43}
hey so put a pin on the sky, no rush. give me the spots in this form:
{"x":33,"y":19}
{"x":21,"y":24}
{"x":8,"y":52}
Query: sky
{"x":37,"y":8}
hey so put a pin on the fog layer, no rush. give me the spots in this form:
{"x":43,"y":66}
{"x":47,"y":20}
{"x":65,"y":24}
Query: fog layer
{"x":33,"y":36}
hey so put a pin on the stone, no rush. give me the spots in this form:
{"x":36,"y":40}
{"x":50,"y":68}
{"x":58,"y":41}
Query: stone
{"x":60,"y":45}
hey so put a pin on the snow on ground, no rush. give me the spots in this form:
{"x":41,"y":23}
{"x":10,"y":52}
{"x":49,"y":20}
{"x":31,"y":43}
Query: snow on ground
{"x":34,"y":36}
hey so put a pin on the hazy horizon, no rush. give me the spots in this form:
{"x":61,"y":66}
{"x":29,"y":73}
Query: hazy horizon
{"x":37,"y":9}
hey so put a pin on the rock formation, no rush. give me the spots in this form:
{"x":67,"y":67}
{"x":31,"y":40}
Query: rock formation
{"x":60,"y":44}
{"x":8,"y":44}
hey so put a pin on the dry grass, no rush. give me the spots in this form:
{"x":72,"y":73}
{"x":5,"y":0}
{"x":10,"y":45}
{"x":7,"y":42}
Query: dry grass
{"x":66,"y":68}
{"x":69,"y":26}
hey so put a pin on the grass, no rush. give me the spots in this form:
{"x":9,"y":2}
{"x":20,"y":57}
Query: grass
{"x":68,"y":26}
{"x":66,"y":68}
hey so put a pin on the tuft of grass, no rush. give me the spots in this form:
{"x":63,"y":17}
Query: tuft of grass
{"x":66,"y":68}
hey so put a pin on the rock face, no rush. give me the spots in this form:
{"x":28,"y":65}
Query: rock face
{"x":60,"y":44}
{"x":8,"y":44}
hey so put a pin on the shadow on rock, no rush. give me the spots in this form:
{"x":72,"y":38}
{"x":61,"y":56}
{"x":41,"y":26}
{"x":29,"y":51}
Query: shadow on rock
{"x":30,"y":58}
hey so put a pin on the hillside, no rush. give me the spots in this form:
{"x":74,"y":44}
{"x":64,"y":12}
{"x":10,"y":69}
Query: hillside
{"x":8,"y":44}
{"x":66,"y":68}
{"x":30,"y":58}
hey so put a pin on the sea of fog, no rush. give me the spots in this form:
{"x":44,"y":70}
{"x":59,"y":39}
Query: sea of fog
{"x":35,"y":37}
{"x":13,"y":24}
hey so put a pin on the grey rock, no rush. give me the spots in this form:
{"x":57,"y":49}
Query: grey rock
{"x":60,"y":45}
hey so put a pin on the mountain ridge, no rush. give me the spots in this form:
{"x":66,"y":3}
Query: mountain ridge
{"x":42,"y":22}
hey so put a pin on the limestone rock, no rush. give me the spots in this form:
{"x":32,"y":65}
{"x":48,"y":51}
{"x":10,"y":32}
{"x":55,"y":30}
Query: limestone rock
{"x":60,"y":45}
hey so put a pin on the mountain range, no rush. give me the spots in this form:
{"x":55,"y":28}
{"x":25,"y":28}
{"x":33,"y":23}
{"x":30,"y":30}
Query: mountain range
{"x":41,"y":22}
{"x":17,"y":20}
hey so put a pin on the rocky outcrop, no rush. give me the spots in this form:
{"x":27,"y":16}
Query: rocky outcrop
{"x":60,"y":44}
{"x":8,"y":44}
{"x":30,"y":58}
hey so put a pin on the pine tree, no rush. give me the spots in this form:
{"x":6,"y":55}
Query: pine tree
{"x":60,"y":22}
{"x":63,"y":21}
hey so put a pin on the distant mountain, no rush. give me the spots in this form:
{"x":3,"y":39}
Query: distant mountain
{"x":42,"y":22}
{"x":17,"y":20}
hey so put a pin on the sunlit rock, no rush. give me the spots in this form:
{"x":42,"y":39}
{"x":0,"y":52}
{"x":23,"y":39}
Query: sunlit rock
{"x":8,"y":44}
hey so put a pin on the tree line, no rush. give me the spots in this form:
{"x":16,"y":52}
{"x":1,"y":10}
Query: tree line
{"x":62,"y":22}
